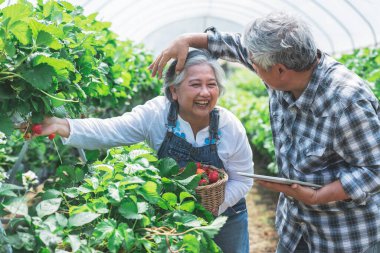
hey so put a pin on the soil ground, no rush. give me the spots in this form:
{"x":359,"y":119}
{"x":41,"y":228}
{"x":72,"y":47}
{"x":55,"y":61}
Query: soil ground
{"x":261,"y":205}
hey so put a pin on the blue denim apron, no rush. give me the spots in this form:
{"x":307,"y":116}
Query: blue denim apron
{"x":233,"y":237}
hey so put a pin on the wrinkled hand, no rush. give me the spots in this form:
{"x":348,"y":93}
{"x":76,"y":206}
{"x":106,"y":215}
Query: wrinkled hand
{"x":306,"y":195}
{"x":178,"y":49}
{"x":49,"y":126}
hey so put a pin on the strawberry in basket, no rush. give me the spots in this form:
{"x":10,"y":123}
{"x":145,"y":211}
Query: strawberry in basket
{"x":209,"y":174}
{"x":211,"y":187}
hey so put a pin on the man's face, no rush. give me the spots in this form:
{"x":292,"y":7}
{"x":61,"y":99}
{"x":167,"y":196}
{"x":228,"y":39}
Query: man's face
{"x":271,"y":77}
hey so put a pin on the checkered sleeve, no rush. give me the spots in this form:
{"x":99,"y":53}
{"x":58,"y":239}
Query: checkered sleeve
{"x":228,"y":47}
{"x":358,"y":143}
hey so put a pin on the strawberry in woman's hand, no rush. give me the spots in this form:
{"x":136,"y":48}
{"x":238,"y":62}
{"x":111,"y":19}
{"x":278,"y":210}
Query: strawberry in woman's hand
{"x":51,"y":136}
{"x":37,"y":129}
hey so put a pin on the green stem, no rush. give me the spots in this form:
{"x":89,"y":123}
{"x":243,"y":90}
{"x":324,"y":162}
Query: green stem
{"x":60,"y":99}
{"x":9,"y":77}
{"x":56,"y":149}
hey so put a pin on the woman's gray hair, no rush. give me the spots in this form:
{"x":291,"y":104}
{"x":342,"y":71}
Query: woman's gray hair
{"x":280,"y":38}
{"x":194,"y":57}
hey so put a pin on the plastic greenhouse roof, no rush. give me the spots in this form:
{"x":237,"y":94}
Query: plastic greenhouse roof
{"x":338,"y":26}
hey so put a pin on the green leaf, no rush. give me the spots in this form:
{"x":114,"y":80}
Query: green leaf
{"x":142,"y":207}
{"x":104,"y":229}
{"x":10,"y":49}
{"x":103,"y":167}
{"x":61,"y":66}
{"x":128,"y":209}
{"x":40,"y":76}
{"x":75,"y":242}
{"x":100,"y":205}
{"x":168,"y":167}
{"x":116,"y":194}
{"x":191,"y":243}
{"x":190,"y":170}
{"x":61,"y":219}
{"x":213,"y":229}
{"x":18,"y":11}
{"x":81,"y":219}
{"x":188,"y":206}
{"x":127,"y":235}
{"x":171,"y":198}
{"x":71,"y":192}
{"x":21,"y":31}
{"x":51,"y":194}
{"x":150,"y":191}
{"x":374,"y":75}
{"x":92,"y":155}
{"x":7,"y":187}
{"x":6,"y":91}
{"x":115,"y":241}
{"x":6,"y":125}
{"x":16,"y":206}
{"x":184,"y":195}
{"x":48,"y":207}
{"x":186,"y":219}
{"x":46,"y":39}
{"x":48,"y":238}
{"x":15,"y":241}
{"x":28,"y":240}
{"x":190,"y":182}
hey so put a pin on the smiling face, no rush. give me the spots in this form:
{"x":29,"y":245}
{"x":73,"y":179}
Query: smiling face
{"x":197,"y":95}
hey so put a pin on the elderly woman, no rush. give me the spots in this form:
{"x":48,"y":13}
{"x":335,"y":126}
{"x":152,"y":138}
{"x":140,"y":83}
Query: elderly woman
{"x":185,"y":125}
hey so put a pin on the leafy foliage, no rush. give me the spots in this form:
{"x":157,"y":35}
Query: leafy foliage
{"x":128,"y":202}
{"x":247,"y":98}
{"x":51,"y":55}
{"x":365,"y":63}
{"x":54,"y":60}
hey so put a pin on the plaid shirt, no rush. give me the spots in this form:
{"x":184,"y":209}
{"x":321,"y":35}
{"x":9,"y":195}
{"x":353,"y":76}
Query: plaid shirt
{"x":331,"y":132}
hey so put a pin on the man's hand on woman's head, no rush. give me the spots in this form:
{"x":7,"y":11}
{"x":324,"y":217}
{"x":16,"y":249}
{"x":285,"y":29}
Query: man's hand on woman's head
{"x":178,"y":50}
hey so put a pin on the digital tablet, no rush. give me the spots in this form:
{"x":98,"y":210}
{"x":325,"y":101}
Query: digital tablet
{"x":279,"y":180}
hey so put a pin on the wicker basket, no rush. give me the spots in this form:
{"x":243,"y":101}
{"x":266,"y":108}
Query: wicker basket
{"x":212,"y":195}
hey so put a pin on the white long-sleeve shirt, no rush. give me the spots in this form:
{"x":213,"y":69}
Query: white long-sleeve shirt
{"x":148,"y":123}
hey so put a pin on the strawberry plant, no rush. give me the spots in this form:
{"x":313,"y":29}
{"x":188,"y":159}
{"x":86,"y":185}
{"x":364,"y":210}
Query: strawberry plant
{"x":128,"y":202}
{"x":54,"y":61}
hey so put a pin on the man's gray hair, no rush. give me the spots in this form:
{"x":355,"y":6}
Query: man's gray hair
{"x":194,"y":57}
{"x":280,"y":38}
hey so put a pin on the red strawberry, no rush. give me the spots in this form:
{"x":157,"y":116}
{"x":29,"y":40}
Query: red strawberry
{"x":51,"y":136}
{"x":200,"y":171}
{"x":202,"y":182}
{"x":199,"y":165}
{"x":37,"y":129}
{"x":213,"y":176}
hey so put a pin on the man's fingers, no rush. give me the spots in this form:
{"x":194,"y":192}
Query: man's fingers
{"x":153,"y":66}
{"x":180,"y":62}
{"x":161,"y":64}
